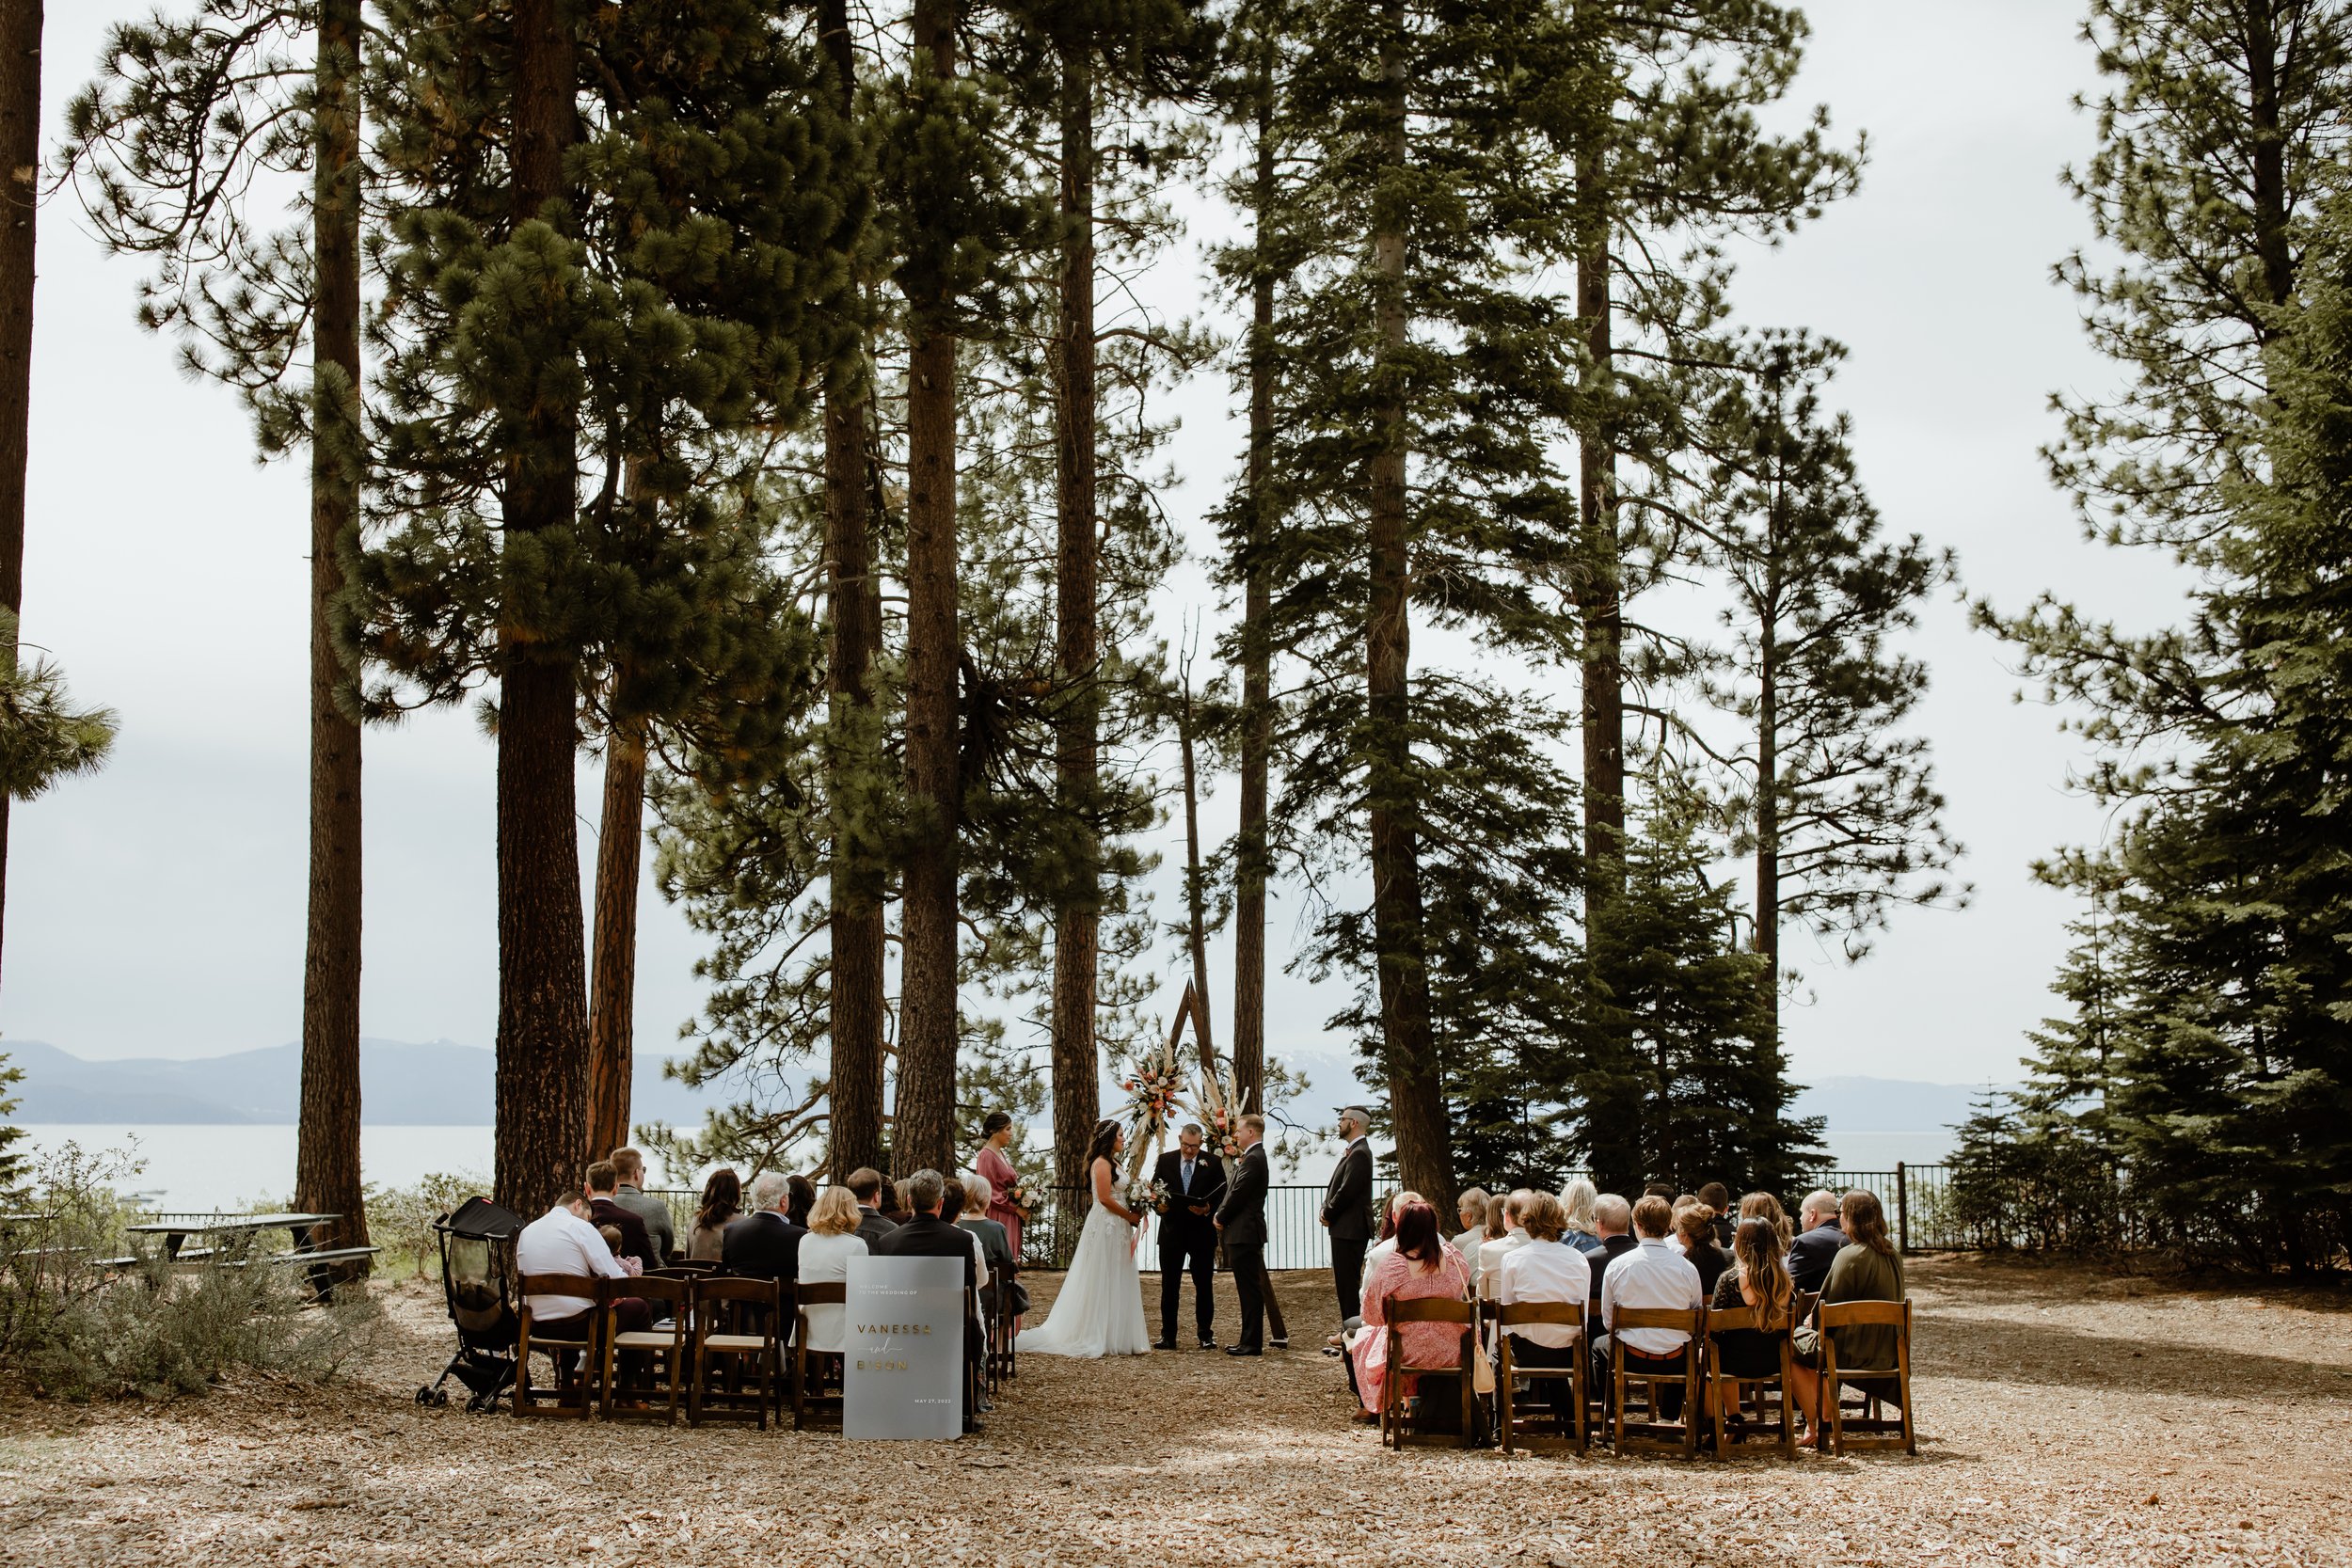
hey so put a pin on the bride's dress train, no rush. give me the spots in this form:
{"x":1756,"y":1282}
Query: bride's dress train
{"x":1100,"y":1309}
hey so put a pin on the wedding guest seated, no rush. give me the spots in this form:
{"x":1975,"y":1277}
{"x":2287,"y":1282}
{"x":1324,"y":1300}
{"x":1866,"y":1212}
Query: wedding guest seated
{"x":1613,"y":1218}
{"x":801,"y":1200}
{"x":764,"y":1243}
{"x":611,"y":1234}
{"x":1759,"y":1280}
{"x":995,"y":1244}
{"x":1652,"y":1274}
{"x":604,"y":1185}
{"x":1545,"y":1269}
{"x":1765,"y":1207}
{"x":1417,"y":1265}
{"x":865,"y":1185}
{"x":1386,"y":1244}
{"x":660,"y":1228}
{"x":722,"y":1205}
{"x":926,"y":1235}
{"x":1581,"y":1230}
{"x":824,"y":1258}
{"x":1718,"y":1197}
{"x":1472,"y":1236}
{"x":562,"y":1240}
{"x":951,"y":1210}
{"x":1867,"y":1268}
{"x":1514,"y":1237}
{"x":1818,"y":1239}
{"x":893,"y":1203}
{"x":1696,"y":1228}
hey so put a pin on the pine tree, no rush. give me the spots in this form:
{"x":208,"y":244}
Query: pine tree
{"x":1835,"y":805}
{"x":1672,"y":160}
{"x":166,"y":146}
{"x":19,"y":144}
{"x":1707,"y":1073}
{"x":614,"y":236}
{"x":1417,"y":390}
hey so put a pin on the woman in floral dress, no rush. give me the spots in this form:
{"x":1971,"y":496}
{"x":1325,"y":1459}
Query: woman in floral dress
{"x":1422,"y":1266}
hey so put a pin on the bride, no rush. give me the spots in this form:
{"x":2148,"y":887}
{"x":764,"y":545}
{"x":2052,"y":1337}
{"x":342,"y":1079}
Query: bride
{"x":1100,"y":1309}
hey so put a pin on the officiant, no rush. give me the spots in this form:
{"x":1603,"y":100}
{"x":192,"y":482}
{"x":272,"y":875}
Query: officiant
{"x":1194,"y":1185}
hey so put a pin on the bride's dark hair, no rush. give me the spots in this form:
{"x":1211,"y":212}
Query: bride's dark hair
{"x":1105,"y":1139}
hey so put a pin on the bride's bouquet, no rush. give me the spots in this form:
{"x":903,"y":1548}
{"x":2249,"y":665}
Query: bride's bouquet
{"x":1140,"y":1195}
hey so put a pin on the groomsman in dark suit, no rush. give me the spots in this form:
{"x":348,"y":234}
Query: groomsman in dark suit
{"x":1240,"y":1221}
{"x":1196,"y":1185}
{"x":1348,"y":1214}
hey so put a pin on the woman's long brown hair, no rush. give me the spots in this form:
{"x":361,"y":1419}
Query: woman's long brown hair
{"x":1865,"y":1222}
{"x":1764,"y":1271}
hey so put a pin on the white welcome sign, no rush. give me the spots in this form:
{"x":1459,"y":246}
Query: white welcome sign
{"x":903,"y":1365}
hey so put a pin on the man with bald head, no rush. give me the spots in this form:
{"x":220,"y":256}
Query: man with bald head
{"x":1819,"y":1237}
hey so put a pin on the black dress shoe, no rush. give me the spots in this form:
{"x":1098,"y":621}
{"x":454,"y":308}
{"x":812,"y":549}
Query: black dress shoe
{"x":1245,"y":1349}
{"x":1163,"y":1344}
{"x":1279,"y":1343}
{"x":1206,"y":1343}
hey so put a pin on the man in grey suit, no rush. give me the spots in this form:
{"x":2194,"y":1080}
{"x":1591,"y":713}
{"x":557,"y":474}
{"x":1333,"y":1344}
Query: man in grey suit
{"x":864,"y":1184}
{"x":1241,"y":1224}
{"x":1348,"y":1212}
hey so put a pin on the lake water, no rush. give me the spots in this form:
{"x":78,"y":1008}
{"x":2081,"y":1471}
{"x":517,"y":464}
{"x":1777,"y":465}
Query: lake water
{"x":223,"y":1167}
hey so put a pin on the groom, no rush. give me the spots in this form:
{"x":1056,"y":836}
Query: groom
{"x":1195,"y":1183}
{"x":1240,"y":1221}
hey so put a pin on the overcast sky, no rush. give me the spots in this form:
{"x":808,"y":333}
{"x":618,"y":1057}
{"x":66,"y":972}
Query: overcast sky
{"x":158,"y":909}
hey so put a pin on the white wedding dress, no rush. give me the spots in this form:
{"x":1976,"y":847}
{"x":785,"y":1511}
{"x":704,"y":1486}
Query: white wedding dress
{"x":1100,"y":1309}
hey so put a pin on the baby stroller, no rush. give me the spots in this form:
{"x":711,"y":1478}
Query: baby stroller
{"x":478,"y":1280}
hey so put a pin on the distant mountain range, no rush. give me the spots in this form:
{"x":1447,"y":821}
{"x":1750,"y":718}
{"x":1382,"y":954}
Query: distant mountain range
{"x":447,"y":1084}
{"x":401,"y":1084}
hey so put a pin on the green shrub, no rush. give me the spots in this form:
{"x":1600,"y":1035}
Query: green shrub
{"x":75,"y":1325}
{"x":399,"y":1220}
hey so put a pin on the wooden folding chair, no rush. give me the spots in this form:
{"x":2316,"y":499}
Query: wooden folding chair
{"x":1654,"y":1434}
{"x":809,"y":1367}
{"x":1398,"y":1424}
{"x":735,"y":1329}
{"x":1748,"y":1393}
{"x":1866,"y":1426}
{"x":641,"y":1366}
{"x":1520,"y":1422}
{"x":577,"y":1358}
{"x":690,"y":1265}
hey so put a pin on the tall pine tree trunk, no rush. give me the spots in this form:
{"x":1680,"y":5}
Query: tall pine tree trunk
{"x":1250,"y":860}
{"x":1600,"y":580}
{"x":326,"y":1146}
{"x":612,"y":970}
{"x":927,"y":1048}
{"x":1767,"y":851}
{"x":1416,"y":1096}
{"x":1196,"y":885}
{"x":854,"y":889}
{"x":542,"y":1030}
{"x":1077,"y":917}
{"x":20,"y":191}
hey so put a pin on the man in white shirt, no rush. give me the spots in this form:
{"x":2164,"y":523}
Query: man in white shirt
{"x":1514,"y":1237}
{"x":1653,"y":1274}
{"x":563,"y":1241}
{"x":1543,"y":1269}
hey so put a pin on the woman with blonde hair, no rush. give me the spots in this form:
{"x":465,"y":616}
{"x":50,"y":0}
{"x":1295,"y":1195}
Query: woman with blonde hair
{"x":825,"y":1253}
{"x":1578,"y":1227}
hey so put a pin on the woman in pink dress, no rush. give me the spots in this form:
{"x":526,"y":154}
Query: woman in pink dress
{"x":1003,"y":1181}
{"x":1422,"y":1266}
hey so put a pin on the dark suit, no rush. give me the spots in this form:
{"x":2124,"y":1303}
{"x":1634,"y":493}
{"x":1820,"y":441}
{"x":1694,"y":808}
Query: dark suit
{"x":635,"y":1243}
{"x":929,"y":1236}
{"x":1242,"y":1215}
{"x":1187,"y":1235}
{"x":1611,"y":1248}
{"x":1347,"y":1210}
{"x":872,"y":1225}
{"x":1811,"y":1254}
{"x":765,"y":1245}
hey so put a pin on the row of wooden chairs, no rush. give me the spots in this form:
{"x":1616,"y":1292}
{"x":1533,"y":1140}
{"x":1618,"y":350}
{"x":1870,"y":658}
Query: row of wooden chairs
{"x":719,"y":1349}
{"x":1632,"y":1408}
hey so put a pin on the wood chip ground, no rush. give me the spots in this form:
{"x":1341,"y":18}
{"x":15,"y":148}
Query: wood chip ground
{"x":2069,"y":1416}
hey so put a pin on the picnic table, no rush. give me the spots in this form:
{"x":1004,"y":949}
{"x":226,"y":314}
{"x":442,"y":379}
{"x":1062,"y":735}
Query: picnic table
{"x":235,"y":1235}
